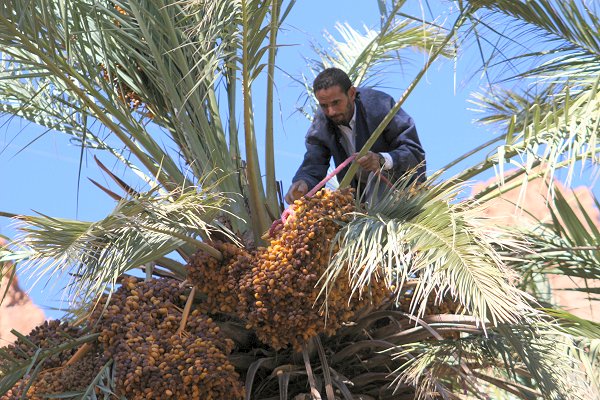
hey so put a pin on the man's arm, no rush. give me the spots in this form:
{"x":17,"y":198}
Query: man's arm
{"x":314,"y":167}
{"x":312,"y":170}
{"x":296,"y":190}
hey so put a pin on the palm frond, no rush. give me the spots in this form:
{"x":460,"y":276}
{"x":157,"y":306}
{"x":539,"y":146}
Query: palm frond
{"x":558,"y":127}
{"x":574,"y":325}
{"x":363,"y":55}
{"x":271,"y":182}
{"x":561,"y":36}
{"x":568,"y":245}
{"x":244,"y":36}
{"x":103,"y":383}
{"x":586,"y":344}
{"x":162,"y":56}
{"x":12,"y":370}
{"x":527,"y":360}
{"x":253,"y":14}
{"x":138,"y":72}
{"x":423,"y":232}
{"x":173,"y":68}
{"x":140,"y":230}
{"x":551,"y":116}
{"x":41,"y":103}
{"x":73,"y":69}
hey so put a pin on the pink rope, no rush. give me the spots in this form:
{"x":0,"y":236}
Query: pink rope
{"x":278,"y":223}
{"x":331,"y":175}
{"x":337,"y":170}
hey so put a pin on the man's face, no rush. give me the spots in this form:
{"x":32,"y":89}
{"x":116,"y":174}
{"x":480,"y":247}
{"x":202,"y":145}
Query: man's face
{"x":337,"y":105}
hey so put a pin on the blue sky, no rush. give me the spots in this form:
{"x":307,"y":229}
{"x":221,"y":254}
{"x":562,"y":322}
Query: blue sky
{"x":43,"y":177}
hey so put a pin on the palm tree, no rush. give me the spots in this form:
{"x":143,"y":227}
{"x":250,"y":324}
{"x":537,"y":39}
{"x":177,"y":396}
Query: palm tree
{"x":150,"y":72}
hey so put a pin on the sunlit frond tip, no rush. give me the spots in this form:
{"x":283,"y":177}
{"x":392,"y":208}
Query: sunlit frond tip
{"x":140,"y":230}
{"x":442,"y":245}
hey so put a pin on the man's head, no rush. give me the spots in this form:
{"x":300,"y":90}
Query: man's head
{"x":335,"y":94}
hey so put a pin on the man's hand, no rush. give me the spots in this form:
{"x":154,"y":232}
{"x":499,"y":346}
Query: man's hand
{"x":369,"y":162}
{"x":297,"y":190}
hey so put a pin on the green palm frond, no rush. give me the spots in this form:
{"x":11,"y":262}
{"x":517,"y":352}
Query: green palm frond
{"x":365,"y":54}
{"x":574,"y":325}
{"x":103,"y":385}
{"x":41,"y":103}
{"x":155,"y":50}
{"x":253,"y":33}
{"x":72,"y":69}
{"x":247,"y":31}
{"x":8,"y":272}
{"x":558,"y":127}
{"x":144,"y":74}
{"x":552,"y":116}
{"x":12,"y":370}
{"x":588,"y":352}
{"x":563,"y":34}
{"x":177,"y":72}
{"x":527,"y":361}
{"x":276,"y":19}
{"x":568,"y":245}
{"x":140,"y":230}
{"x":586,"y":344}
{"x":424,"y":232}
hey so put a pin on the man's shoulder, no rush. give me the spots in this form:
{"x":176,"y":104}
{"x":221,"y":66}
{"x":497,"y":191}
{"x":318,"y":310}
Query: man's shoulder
{"x":375,"y":102}
{"x":368,"y":92}
{"x":319,"y":125}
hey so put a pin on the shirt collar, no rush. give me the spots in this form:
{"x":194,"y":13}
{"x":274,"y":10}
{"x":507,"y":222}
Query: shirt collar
{"x":352,"y":122}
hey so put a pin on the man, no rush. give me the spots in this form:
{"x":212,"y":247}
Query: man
{"x":346,"y":119}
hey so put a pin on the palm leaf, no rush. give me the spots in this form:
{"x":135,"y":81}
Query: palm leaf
{"x":136,"y":61}
{"x":72,"y":67}
{"x":176,"y":77}
{"x":557,"y":129}
{"x":587,"y":344}
{"x":103,"y":381}
{"x":554,"y":119}
{"x":140,"y":230}
{"x":567,"y":29}
{"x":566,"y":246}
{"x":365,"y":55}
{"x":422,"y":233}
{"x":253,"y":34}
{"x":13,"y":370}
{"x":42,"y":104}
{"x":574,"y":325}
{"x":513,"y":355}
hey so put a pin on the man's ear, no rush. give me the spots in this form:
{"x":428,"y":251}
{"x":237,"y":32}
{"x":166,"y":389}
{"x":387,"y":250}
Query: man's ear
{"x":351,"y":93}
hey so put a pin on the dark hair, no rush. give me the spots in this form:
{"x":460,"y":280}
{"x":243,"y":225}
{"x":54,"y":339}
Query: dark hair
{"x":331,"y":77}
